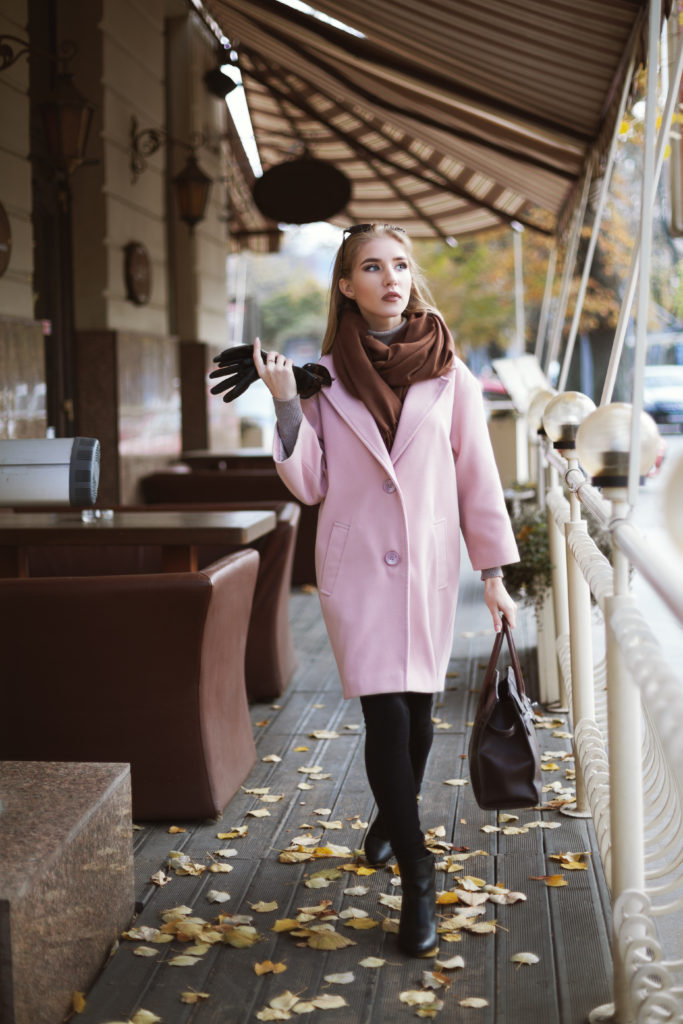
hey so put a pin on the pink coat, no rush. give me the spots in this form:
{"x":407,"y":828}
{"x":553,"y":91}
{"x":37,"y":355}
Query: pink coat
{"x":388,"y":540}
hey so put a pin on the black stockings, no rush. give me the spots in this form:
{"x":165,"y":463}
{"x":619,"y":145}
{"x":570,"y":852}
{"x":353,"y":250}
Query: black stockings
{"x":398,"y":738}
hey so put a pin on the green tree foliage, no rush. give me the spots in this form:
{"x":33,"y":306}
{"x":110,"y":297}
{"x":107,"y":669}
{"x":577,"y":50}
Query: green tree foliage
{"x":473,"y":285}
{"x":300,"y":311}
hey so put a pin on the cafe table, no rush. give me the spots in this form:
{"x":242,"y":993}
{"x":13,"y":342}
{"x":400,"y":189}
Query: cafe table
{"x":178,"y":534}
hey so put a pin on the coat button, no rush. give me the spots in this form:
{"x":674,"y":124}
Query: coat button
{"x":392,"y":558}
{"x":389,"y":486}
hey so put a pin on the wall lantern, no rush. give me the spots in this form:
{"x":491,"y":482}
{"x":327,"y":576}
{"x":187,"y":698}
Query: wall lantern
{"x":67,"y":115}
{"x":603,"y":444}
{"x":562,"y":417}
{"x":191,"y":184}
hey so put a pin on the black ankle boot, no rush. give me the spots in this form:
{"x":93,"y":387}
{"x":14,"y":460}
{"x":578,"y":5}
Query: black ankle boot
{"x":377,"y":846}
{"x":417,"y":928}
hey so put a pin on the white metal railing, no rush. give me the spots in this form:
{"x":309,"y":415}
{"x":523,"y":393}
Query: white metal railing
{"x":629,"y":746}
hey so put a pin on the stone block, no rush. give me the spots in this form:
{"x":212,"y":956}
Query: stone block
{"x":66,"y":881}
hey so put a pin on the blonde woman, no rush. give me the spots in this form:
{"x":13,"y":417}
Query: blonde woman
{"x":397,"y":453}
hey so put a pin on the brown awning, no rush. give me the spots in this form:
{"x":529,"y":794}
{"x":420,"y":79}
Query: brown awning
{"x":448,"y":117}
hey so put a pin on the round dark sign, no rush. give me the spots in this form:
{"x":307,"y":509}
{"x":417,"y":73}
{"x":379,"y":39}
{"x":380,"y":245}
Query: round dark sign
{"x":138,"y":273}
{"x":302,"y":191}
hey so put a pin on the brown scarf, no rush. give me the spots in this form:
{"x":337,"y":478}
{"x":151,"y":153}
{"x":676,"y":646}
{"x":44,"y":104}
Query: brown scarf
{"x":379,"y":374}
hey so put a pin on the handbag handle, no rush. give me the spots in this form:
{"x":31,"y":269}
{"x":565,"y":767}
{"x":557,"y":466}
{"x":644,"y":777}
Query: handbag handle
{"x":489,"y":679}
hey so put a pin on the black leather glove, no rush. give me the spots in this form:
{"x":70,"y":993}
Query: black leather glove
{"x":237,"y":366}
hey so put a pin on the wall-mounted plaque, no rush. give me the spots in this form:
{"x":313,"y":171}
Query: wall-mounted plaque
{"x":137,"y":273}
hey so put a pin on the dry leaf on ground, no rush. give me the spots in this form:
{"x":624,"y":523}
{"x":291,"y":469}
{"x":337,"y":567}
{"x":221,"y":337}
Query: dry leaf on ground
{"x":268,"y":967}
{"x":524,"y":958}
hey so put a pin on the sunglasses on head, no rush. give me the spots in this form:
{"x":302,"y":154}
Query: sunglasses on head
{"x":360,"y":229}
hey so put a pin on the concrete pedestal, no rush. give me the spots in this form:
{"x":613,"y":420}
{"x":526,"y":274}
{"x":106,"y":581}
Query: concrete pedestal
{"x":66,"y":881}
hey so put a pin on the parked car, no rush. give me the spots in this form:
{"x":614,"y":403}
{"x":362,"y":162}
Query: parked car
{"x":663,"y":394}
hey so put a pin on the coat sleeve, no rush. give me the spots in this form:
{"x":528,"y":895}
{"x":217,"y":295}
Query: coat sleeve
{"x":304,"y":471}
{"x":484,"y":519}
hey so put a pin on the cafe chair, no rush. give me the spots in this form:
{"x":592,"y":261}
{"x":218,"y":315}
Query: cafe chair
{"x":146,"y":669}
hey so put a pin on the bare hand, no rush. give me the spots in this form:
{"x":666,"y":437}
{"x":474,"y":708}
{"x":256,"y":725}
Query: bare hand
{"x":498,"y":600}
{"x":277,"y":373}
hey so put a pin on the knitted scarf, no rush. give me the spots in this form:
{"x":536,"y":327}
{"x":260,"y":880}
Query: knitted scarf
{"x":379,"y":374}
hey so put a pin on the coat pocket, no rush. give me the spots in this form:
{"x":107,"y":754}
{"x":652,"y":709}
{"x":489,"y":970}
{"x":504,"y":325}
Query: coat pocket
{"x":441,"y":553}
{"x":333,"y":557}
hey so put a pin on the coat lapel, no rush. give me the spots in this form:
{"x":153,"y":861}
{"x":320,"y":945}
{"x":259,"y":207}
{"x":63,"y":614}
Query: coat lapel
{"x":355,"y":415}
{"x":418,"y":402}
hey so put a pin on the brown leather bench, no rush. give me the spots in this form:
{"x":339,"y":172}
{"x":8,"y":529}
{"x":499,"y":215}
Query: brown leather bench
{"x":146,"y":669}
{"x":247,"y":486}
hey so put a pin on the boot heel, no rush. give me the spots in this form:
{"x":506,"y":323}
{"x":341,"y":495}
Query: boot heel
{"x":417,"y":934}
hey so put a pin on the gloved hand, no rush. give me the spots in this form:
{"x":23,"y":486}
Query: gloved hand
{"x":237,"y":366}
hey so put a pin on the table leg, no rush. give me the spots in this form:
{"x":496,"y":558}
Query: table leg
{"x":13,"y":562}
{"x":179,"y":558}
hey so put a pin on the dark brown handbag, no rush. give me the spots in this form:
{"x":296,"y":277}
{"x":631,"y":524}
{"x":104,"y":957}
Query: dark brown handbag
{"x":505,"y":765}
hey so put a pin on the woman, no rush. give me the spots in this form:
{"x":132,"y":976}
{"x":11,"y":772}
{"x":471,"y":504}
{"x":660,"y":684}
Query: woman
{"x":397,"y":453}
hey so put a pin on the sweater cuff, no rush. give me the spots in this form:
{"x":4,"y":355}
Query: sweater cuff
{"x":488,"y":574}
{"x":289,"y":416}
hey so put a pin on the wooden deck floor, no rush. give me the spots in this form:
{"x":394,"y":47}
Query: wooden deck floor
{"x":566,"y":927}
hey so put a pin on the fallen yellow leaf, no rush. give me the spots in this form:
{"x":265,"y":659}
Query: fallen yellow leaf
{"x":416,"y":997}
{"x":175,"y":829}
{"x":262,"y":907}
{"x":78,"y":1002}
{"x":329,"y":940}
{"x":183,"y":961}
{"x":285,"y":924}
{"x":372,"y":961}
{"x":449,"y":965}
{"x":524,"y":958}
{"x":572,"y":861}
{"x":554,"y":881}
{"x":240,"y":937}
{"x":144,"y":951}
{"x":361,"y":923}
{"x":347,"y":978}
{"x":268,"y":967}
{"x":193,"y":997}
{"x":474,"y":1001}
{"x":144,"y":1017}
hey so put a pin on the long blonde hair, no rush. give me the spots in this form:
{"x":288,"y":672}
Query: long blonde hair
{"x":420,"y":299}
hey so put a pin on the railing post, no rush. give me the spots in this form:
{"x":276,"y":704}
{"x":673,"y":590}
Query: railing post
{"x":580,"y":641}
{"x":624,"y":722}
{"x":558,"y":559}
